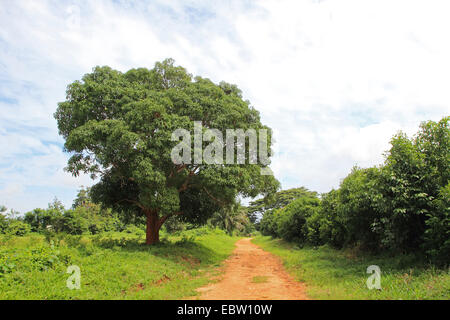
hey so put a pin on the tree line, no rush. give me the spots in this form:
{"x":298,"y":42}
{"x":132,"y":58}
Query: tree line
{"x":88,"y":218}
{"x":402,"y":205}
{"x":85,"y":217}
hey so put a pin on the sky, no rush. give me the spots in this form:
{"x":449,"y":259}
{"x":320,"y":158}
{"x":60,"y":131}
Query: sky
{"x":334,"y":79}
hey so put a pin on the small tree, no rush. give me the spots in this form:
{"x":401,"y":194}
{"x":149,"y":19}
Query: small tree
{"x":83,"y":198}
{"x":232,"y":218}
{"x":39,"y":219}
{"x":3,"y":221}
{"x":118,"y":127}
{"x":415,"y":173}
{"x":259,"y":207}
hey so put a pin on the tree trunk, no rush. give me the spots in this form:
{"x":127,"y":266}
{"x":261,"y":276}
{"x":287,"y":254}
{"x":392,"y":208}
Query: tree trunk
{"x":153,"y":225}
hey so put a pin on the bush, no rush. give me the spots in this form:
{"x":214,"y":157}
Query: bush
{"x":291,"y":221}
{"x":72,"y":240}
{"x":40,"y":258}
{"x":3,"y":223}
{"x":18,"y":228}
{"x":75,"y":221}
{"x":437,"y":235}
{"x":356,"y":208}
{"x":175,"y":225}
{"x":267,"y":224}
{"x":131,"y":228}
{"x":332,"y":229}
{"x":39,"y":219}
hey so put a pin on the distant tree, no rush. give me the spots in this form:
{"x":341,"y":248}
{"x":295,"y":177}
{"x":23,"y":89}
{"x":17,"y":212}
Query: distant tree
{"x":118,"y":127}
{"x":332,"y":227}
{"x":291,"y":220}
{"x":11,"y":223}
{"x":17,"y":227}
{"x":232,"y":218}
{"x":83,"y":197}
{"x":56,"y":205}
{"x":257,"y":208}
{"x":433,"y":141}
{"x":3,"y":221}
{"x":40,"y":219}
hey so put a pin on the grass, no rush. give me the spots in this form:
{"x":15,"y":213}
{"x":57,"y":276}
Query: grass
{"x":341,"y":274}
{"x":113,"y":266}
{"x":260,"y":279}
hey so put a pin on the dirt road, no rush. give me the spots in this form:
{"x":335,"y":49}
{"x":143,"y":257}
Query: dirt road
{"x":253,"y":274}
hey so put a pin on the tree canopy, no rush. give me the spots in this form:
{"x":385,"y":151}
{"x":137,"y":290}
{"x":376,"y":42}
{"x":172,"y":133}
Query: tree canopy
{"x":118,"y":128}
{"x":257,"y":208}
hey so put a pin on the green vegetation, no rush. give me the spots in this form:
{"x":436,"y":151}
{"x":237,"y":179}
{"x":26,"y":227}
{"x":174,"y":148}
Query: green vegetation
{"x":37,"y":248}
{"x":119,"y":128}
{"x":259,"y":207}
{"x":400,"y":207}
{"x":122,"y":128}
{"x":260,"y":279}
{"x":329,"y":273}
{"x":233,"y":219}
{"x":85,"y":218}
{"x":395,"y":216}
{"x":113,"y":265}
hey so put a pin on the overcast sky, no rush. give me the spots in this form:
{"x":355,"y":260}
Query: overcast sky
{"x":335,"y":79}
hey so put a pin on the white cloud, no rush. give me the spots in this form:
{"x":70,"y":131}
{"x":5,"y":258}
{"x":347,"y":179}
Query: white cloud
{"x":335,"y":79}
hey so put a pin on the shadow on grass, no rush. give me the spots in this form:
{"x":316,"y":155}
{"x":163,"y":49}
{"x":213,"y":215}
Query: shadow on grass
{"x":189,"y":252}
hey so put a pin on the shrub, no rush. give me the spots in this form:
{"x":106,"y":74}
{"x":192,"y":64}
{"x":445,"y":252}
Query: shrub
{"x":131,"y":228}
{"x":40,"y":258}
{"x":356,"y":208}
{"x":291,"y":220}
{"x":18,"y":228}
{"x":332,"y":229}
{"x":75,"y":221}
{"x":267,"y":224}
{"x":437,"y":235}
{"x":3,"y":223}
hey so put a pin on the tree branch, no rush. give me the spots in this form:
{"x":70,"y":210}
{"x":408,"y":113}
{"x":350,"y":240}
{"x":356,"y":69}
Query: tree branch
{"x":214,"y":198}
{"x":185,"y":183}
{"x":133,"y":202}
{"x":163,"y":219}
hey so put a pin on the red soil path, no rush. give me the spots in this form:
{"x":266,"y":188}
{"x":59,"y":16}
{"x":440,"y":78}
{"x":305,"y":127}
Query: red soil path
{"x":238,"y":282}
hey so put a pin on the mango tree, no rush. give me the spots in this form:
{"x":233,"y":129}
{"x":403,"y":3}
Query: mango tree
{"x":119,"y":128}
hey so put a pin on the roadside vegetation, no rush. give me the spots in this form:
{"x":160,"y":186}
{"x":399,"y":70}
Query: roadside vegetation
{"x":119,"y":128}
{"x":36,"y":249}
{"x":395,"y":216}
{"x":113,"y":265}
{"x":329,"y":273}
{"x":400,"y":207}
